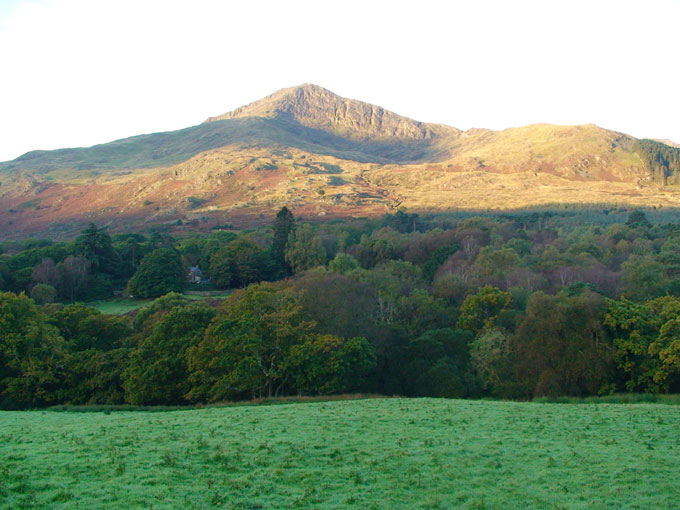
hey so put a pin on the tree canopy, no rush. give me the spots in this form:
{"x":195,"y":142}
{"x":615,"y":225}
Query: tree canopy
{"x":158,"y":273}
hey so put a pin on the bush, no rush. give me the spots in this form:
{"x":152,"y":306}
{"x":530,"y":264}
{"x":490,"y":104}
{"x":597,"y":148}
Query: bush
{"x":42,"y":293}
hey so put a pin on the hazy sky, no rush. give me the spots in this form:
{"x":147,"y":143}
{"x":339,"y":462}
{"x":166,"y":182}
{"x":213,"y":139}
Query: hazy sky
{"x":81,"y":72}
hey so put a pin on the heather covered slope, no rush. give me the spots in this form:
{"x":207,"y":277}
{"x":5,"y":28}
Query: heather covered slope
{"x":382,"y":454}
{"x":322,"y":154}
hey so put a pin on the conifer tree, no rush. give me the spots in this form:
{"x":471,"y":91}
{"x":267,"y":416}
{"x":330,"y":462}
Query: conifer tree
{"x":283,"y":226}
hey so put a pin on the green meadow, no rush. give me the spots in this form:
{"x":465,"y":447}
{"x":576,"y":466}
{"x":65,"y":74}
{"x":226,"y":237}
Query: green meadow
{"x":375,"y":454}
{"x":123,"y":305}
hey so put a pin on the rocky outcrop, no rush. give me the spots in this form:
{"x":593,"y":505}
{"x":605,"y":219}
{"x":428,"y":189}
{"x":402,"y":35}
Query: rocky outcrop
{"x":316,"y":107}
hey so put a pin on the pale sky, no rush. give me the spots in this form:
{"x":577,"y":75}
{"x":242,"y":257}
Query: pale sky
{"x":80,"y":72}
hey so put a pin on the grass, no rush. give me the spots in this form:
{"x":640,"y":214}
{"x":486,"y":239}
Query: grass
{"x":121,"y":306}
{"x":118,"y":306}
{"x":198,"y":295}
{"x":374,"y":454}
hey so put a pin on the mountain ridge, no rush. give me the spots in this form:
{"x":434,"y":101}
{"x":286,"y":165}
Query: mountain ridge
{"x":668,"y":142}
{"x":325,"y":155}
{"x":316,"y":107}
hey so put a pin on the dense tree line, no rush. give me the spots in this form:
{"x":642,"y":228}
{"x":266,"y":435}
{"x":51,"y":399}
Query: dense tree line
{"x":510,"y":306}
{"x":663,"y":160}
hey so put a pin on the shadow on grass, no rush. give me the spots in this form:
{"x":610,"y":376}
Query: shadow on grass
{"x":621,"y":398}
{"x":618,"y":398}
{"x":254,"y":402}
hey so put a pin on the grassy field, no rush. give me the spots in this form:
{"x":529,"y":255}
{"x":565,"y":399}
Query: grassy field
{"x":120,"y":306}
{"x":381,"y":454}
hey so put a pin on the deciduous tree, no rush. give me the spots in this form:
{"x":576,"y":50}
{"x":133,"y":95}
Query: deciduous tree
{"x":480,"y":310}
{"x":326,"y":364}
{"x":304,"y":249}
{"x":560,"y":346}
{"x":31,"y":355}
{"x":244,"y":352}
{"x":73,"y":275}
{"x":158,"y":371}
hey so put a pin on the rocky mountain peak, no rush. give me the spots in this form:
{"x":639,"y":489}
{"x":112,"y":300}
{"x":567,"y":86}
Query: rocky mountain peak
{"x":316,"y":107}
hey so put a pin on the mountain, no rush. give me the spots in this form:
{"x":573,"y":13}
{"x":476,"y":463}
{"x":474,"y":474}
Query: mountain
{"x":322,"y":154}
{"x":307,"y":117}
{"x":668,"y":142}
{"x":317,"y":108}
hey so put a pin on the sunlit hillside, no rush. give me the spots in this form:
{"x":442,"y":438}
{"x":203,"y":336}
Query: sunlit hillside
{"x":323,"y":155}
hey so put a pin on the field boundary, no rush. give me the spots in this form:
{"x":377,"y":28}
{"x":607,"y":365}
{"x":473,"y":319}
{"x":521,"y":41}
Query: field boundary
{"x":191,"y":407}
{"x":619,"y":398}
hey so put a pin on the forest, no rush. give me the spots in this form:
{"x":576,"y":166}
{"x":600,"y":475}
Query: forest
{"x":513,"y":306}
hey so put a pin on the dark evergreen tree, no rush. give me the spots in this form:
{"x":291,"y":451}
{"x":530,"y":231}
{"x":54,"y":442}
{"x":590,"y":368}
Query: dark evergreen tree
{"x":638,"y":219}
{"x":239,"y":264}
{"x":95,"y":245}
{"x":437,"y":258}
{"x":401,"y":221}
{"x":160,"y":272}
{"x":131,"y":248}
{"x":283,"y":226}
